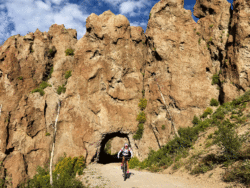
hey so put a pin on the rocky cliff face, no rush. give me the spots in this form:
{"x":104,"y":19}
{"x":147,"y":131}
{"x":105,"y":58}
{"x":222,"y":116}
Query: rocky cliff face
{"x":176,"y":56}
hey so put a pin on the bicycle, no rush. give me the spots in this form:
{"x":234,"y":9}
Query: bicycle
{"x":125,"y":167}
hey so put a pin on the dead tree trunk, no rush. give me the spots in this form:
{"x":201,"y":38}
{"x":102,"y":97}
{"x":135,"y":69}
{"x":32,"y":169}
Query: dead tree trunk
{"x":0,"y":109}
{"x":171,"y":119}
{"x":53,"y":146}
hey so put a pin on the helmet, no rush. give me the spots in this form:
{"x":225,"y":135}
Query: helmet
{"x":125,"y":144}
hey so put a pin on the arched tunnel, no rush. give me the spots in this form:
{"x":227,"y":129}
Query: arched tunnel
{"x":104,"y":157}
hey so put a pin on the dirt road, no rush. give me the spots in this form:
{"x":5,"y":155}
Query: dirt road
{"x":110,"y":176}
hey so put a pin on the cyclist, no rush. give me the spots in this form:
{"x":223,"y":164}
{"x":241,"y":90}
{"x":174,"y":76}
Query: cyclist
{"x":126,"y":151}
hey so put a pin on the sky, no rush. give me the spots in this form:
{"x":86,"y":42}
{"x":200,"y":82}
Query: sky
{"x":24,"y":16}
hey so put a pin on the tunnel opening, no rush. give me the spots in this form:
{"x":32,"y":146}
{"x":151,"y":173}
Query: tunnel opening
{"x":110,"y":146}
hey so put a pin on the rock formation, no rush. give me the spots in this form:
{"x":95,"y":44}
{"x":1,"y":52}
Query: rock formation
{"x":111,"y":65}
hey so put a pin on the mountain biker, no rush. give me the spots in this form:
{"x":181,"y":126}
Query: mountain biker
{"x":125,"y":151}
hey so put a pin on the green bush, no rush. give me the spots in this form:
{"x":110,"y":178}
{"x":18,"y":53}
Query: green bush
{"x":61,"y":89}
{"x":228,"y":140}
{"x":215,"y":79}
{"x":143,"y":103}
{"x":68,"y":74}
{"x":141,"y":117}
{"x":50,"y":51}
{"x":197,"y":33}
{"x":214,"y":102}
{"x":134,"y":162}
{"x":139,"y":132}
{"x":143,"y":92}
{"x":210,"y":40}
{"x":207,"y":112}
{"x":239,"y":173}
{"x":219,"y":115}
{"x":38,"y":90}
{"x":163,"y":127}
{"x":69,"y":52}
{"x":44,"y":84}
{"x":47,"y":134}
{"x":211,"y":26}
{"x":210,"y":136}
{"x":20,"y":78}
{"x":199,"y":41}
{"x":63,"y":175}
{"x":195,"y":120}
{"x":50,"y":73}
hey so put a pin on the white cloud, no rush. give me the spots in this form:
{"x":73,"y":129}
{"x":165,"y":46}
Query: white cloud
{"x":27,"y":15}
{"x":57,"y":2}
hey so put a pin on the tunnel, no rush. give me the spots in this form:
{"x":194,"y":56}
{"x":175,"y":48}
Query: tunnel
{"x":105,"y":157}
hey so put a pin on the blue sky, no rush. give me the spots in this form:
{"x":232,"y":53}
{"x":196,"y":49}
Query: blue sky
{"x":24,"y":16}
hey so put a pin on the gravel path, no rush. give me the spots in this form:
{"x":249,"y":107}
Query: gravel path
{"x":110,"y":176}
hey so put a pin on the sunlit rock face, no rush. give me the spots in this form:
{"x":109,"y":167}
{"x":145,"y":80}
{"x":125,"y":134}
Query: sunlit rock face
{"x":106,"y":83}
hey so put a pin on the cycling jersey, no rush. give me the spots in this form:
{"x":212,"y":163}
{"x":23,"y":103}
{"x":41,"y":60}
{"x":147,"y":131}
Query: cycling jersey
{"x":125,"y":152}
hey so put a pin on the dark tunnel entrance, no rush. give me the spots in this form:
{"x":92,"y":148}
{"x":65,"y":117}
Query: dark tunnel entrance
{"x":104,"y":157}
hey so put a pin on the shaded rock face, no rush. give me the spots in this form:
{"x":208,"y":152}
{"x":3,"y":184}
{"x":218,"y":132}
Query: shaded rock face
{"x":102,"y":95}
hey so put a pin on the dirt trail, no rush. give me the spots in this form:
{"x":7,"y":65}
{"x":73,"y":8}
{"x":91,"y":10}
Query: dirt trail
{"x":110,"y":176}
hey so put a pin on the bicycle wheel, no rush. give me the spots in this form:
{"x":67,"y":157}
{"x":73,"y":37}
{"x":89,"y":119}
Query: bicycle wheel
{"x":125,"y":170}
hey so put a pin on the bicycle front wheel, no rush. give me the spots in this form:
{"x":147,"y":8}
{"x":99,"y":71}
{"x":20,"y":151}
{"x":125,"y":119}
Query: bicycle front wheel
{"x":125,"y":171}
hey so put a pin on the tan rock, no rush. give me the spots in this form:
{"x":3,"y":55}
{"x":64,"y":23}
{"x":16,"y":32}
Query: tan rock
{"x":103,"y":93}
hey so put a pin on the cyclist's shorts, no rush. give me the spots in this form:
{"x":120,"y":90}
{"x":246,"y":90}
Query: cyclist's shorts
{"x":129,"y":155}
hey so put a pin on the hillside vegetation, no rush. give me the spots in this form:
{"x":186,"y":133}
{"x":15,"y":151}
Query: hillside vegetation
{"x":223,"y":147}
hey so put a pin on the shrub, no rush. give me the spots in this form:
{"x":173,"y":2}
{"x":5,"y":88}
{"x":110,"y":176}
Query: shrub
{"x":228,"y":140}
{"x":38,"y":90}
{"x":20,"y":78}
{"x":197,"y":33}
{"x":214,"y":102}
{"x":211,"y":26}
{"x":210,"y":136}
{"x":69,"y":52}
{"x":239,"y":173}
{"x":228,"y":35}
{"x":142,"y":104}
{"x":143,"y":92}
{"x":47,"y":134}
{"x":163,"y":127}
{"x":68,"y":74}
{"x":50,"y":73}
{"x":207,"y":112}
{"x":195,"y":120}
{"x":199,"y":41}
{"x":61,"y":89}
{"x":63,"y":175}
{"x":134,"y":162}
{"x":139,"y":132}
{"x":208,"y":46}
{"x":215,"y":79}
{"x":44,"y":84}
{"x":219,"y":115}
{"x":141,"y":117}
{"x":210,"y":40}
